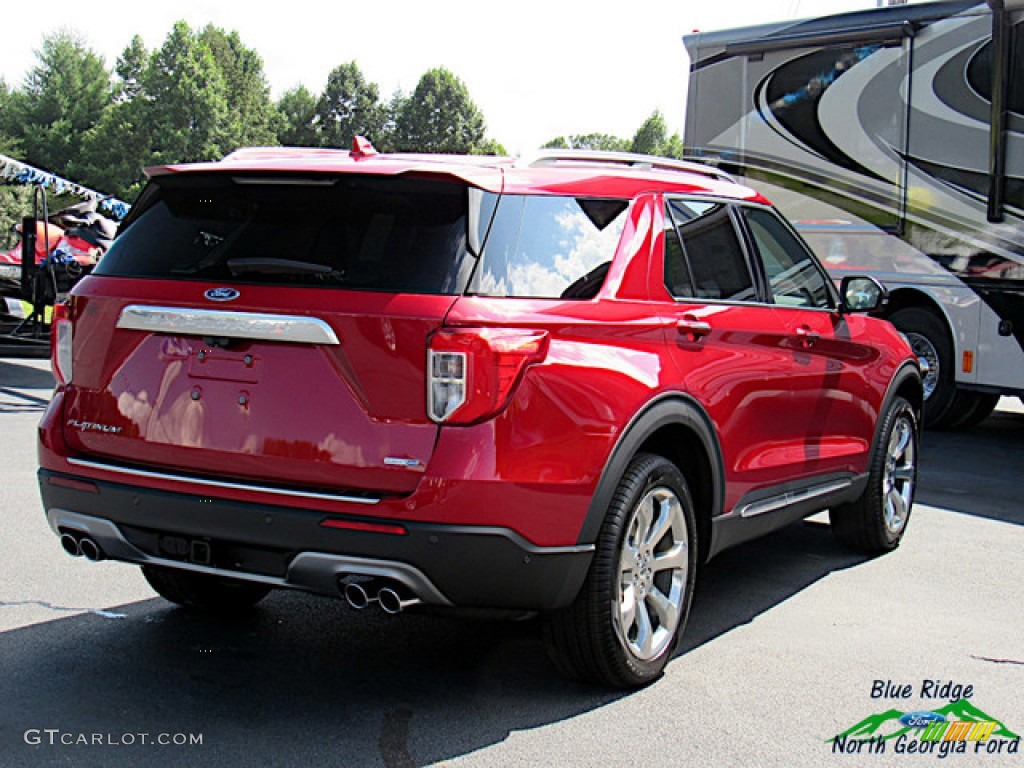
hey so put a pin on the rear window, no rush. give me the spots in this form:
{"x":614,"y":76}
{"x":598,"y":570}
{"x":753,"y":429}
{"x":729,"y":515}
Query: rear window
{"x":356,"y":232}
{"x":549,"y":247}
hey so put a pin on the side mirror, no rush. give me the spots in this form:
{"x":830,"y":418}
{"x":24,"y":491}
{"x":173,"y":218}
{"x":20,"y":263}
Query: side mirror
{"x":860,"y":293}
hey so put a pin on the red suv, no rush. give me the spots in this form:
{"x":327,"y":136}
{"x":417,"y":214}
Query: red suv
{"x":553,"y":386}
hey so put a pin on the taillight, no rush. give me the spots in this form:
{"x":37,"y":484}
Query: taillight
{"x":60,"y":343}
{"x":471,"y":372}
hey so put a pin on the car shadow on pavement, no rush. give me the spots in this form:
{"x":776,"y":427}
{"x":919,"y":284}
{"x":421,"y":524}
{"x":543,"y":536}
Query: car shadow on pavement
{"x":976,"y":471}
{"x":24,"y":376}
{"x":24,"y":388}
{"x":298,"y":681}
{"x":742,"y":583}
{"x":306,"y":681}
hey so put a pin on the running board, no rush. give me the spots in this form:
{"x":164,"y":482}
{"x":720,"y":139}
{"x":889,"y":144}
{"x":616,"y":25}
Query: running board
{"x":752,"y":518}
{"x":791,"y":498}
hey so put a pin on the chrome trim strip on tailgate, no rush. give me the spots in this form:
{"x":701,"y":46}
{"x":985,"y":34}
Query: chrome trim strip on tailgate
{"x":295,"y":329}
{"x":220,"y":483}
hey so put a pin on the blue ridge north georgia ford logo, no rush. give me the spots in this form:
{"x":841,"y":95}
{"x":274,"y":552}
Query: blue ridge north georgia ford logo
{"x":221,"y":294}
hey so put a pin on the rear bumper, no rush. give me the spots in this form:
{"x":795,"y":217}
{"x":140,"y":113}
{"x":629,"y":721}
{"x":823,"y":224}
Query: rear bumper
{"x":448,"y":565}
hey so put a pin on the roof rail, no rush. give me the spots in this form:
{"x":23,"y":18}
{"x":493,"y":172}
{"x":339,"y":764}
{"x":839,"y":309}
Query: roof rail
{"x":628,"y":159}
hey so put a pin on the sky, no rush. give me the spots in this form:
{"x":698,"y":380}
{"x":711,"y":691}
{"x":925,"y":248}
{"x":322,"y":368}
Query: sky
{"x":536,"y":70}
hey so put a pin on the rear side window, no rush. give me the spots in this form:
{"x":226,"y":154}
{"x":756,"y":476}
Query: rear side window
{"x":715,"y":266}
{"x":355,"y":232}
{"x":549,"y":247}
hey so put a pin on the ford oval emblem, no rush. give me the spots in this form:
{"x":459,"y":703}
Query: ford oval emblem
{"x":921,"y":719}
{"x":222,"y":294}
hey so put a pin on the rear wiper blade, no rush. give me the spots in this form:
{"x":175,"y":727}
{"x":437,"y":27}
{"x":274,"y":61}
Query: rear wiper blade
{"x":269,"y":265}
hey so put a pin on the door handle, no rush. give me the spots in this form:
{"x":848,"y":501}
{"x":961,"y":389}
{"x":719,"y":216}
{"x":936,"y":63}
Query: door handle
{"x":808,"y":337}
{"x":690,"y":326}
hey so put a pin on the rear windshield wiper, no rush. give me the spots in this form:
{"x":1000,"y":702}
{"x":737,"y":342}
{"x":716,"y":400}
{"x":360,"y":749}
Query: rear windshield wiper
{"x":268,"y":265}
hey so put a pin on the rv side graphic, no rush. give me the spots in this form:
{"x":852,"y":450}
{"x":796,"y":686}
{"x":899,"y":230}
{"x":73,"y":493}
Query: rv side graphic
{"x":894,"y":139}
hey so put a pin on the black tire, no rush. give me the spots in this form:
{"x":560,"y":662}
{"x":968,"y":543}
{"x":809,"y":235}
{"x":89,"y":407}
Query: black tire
{"x":971,"y":408}
{"x":876,"y":522}
{"x":215,"y":594}
{"x":641,"y":578}
{"x":933,"y":346}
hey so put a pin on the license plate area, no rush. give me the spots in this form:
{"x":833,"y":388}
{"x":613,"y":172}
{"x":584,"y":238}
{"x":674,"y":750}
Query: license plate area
{"x":224,"y":365}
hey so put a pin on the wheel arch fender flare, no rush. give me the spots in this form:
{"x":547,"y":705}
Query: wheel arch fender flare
{"x":907,"y":375}
{"x":667,"y":411}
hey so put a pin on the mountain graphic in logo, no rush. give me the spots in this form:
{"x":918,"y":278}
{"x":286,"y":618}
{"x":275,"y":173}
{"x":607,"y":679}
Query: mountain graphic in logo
{"x":886,"y":725}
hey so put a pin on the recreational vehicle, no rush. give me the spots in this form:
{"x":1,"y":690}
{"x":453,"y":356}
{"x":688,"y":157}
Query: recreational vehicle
{"x":894,"y":140}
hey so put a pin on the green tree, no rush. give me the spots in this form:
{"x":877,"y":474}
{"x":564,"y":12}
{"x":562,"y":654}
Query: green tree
{"x":673,"y":147}
{"x":297,"y":109}
{"x":251,"y":118}
{"x":115,"y":151}
{"x":187,"y":100}
{"x":559,"y":142}
{"x":130,"y":68}
{"x":8,"y":144}
{"x":117,"y":147}
{"x":349,"y":106}
{"x":388,"y":139}
{"x":440,"y":116}
{"x":651,"y":135}
{"x":63,"y":96}
{"x":593,"y":141}
{"x":198,"y":97}
{"x":14,"y":200}
{"x":490,"y":147}
{"x":652,"y":138}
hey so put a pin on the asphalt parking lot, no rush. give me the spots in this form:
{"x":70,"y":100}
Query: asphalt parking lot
{"x":792,"y":640}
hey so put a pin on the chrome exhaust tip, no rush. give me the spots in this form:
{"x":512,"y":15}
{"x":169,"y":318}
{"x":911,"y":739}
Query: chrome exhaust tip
{"x":90,"y":549}
{"x":357,"y":596}
{"x":393,"y":603}
{"x":70,"y":544}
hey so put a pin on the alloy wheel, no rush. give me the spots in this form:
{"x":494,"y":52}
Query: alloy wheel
{"x":900,"y":474}
{"x":653,"y":569}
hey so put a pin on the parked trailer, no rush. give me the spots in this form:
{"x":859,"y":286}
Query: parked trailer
{"x":894,"y":139}
{"x":52,"y":253}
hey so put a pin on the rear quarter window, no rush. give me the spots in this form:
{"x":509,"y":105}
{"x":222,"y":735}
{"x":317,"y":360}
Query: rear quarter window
{"x":549,"y":247}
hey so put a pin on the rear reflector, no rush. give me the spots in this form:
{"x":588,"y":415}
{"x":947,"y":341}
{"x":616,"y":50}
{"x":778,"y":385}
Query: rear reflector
{"x":355,"y":525}
{"x":75,"y":485}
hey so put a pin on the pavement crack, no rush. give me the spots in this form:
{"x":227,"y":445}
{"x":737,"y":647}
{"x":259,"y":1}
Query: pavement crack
{"x":998,"y":661}
{"x":61,"y":609}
